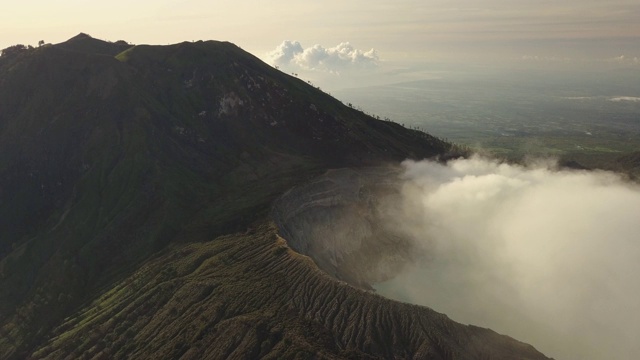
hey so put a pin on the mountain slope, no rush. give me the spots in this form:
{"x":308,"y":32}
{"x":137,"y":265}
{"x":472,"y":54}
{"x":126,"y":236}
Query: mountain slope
{"x":107,"y":159}
{"x":184,"y":304}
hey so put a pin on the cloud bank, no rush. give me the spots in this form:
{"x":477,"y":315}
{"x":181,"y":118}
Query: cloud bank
{"x":548,"y":257}
{"x":625,"y":98}
{"x":622,"y":59}
{"x":335,"y":59}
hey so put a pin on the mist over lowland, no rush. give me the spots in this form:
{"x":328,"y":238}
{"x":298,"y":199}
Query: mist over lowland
{"x":586,"y":115}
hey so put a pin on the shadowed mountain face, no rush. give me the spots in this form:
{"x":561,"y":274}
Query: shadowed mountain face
{"x":122,"y":168}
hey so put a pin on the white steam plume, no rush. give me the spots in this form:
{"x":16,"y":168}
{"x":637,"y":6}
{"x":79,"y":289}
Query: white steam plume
{"x":549,"y":257}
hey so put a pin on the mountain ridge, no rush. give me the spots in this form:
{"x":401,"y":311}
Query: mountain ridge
{"x":109,"y":159}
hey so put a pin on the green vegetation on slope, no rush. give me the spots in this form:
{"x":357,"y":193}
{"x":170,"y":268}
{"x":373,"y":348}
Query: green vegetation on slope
{"x":249,"y":296}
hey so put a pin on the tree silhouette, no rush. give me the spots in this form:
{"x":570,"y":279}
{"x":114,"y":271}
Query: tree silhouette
{"x":12,"y":50}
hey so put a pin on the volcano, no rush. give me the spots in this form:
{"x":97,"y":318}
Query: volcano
{"x":137,"y":218}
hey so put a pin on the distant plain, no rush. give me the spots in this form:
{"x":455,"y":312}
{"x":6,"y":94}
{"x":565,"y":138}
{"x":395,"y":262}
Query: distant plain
{"x":585,"y":116}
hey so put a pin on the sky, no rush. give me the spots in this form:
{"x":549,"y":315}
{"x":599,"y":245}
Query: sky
{"x":403,"y":34}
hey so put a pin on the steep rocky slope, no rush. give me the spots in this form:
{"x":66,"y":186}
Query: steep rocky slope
{"x":247,"y":296}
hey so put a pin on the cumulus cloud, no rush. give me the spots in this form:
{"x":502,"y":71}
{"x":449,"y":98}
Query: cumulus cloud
{"x":549,"y":257}
{"x":334,"y":59}
{"x":285,"y":52}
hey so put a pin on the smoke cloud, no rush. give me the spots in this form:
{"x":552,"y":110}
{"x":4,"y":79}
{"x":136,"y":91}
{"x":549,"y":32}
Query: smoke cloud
{"x":334,"y":59}
{"x":547,"y":256}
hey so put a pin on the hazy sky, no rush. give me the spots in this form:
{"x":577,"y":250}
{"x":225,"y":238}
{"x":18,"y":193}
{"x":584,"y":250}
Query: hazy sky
{"x":401,"y":32}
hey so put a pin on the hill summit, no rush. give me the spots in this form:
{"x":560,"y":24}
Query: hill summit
{"x":135,"y":189}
